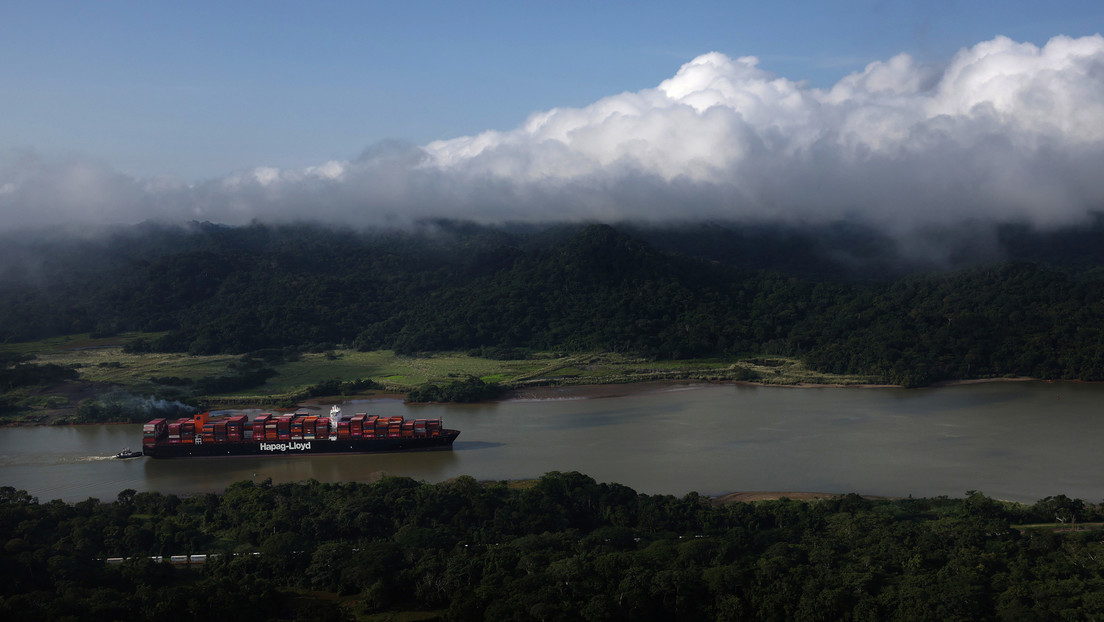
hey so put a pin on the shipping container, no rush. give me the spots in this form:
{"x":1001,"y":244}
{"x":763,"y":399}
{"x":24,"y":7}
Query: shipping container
{"x":259,"y":425}
{"x":283,"y":427}
{"x":309,"y":424}
{"x":356,"y":425}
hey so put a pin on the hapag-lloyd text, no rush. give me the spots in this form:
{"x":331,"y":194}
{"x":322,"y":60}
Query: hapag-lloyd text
{"x":285,"y":446}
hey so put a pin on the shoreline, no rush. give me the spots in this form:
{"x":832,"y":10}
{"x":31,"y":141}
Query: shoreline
{"x":571,"y":392}
{"x":622,"y":389}
{"x":755,"y":496}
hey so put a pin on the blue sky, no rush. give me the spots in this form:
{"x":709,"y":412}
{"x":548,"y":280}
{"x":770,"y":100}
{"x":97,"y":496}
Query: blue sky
{"x":201,"y":89}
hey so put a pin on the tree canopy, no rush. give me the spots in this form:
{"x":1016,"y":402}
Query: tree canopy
{"x":564,"y":548}
{"x":217,"y":289}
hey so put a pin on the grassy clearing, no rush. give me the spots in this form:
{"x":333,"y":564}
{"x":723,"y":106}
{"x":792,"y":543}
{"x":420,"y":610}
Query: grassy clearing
{"x":101,"y":362}
{"x":394,"y":371}
{"x":615,"y":368}
{"x":112,"y":365}
{"x":787,"y":371}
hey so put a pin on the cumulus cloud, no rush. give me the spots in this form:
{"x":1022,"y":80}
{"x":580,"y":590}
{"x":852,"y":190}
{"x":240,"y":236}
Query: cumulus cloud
{"x":1002,"y":131}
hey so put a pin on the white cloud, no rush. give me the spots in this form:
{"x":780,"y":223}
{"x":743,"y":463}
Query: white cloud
{"x":1003,"y":130}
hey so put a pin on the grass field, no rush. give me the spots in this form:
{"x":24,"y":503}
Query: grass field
{"x":101,"y":362}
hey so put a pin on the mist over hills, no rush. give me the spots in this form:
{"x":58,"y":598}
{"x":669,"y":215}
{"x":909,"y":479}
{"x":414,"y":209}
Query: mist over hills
{"x":962,"y":303}
{"x":844,"y":250}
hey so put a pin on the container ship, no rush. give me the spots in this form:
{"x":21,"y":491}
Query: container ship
{"x":298,"y":433}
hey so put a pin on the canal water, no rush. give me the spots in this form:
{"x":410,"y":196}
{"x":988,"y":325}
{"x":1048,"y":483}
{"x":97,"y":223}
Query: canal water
{"x":1012,"y":440}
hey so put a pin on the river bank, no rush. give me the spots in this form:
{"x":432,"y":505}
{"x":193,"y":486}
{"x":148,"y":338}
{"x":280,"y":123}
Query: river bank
{"x":550,"y":392}
{"x":612,"y":390}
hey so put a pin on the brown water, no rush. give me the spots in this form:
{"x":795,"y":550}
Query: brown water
{"x":1019,"y":441}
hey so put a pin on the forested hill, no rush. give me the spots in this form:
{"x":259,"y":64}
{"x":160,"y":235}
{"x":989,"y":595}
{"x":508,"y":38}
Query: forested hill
{"x":564,"y":547}
{"x":846,"y":299}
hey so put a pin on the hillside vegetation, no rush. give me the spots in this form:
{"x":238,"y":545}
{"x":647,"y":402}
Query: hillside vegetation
{"x":564,"y":547}
{"x":46,"y":379}
{"x":505,"y":293}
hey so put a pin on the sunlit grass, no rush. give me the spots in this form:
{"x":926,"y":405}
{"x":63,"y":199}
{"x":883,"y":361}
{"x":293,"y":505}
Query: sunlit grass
{"x":102,"y":360}
{"x":112,"y":365}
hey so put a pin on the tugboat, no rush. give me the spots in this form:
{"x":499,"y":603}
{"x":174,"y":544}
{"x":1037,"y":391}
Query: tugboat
{"x":127,"y":453}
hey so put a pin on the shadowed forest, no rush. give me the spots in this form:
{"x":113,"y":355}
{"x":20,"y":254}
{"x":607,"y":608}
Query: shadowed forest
{"x":563,"y":548}
{"x":957,"y":304}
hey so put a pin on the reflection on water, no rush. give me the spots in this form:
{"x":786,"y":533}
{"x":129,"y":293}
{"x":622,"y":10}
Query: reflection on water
{"x":1018,"y":441}
{"x":474,"y":445}
{"x":213,"y":474}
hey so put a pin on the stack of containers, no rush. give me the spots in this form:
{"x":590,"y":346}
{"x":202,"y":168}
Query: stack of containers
{"x":220,"y":431}
{"x":394,"y":427}
{"x":187,"y":432}
{"x":207,"y":432}
{"x":356,"y":425}
{"x":235,"y":428}
{"x":297,"y":428}
{"x":433,"y":427}
{"x":343,"y":428}
{"x":259,"y":426}
{"x":322,"y":428}
{"x":283,"y":427}
{"x":153,"y":431}
{"x":174,"y":432}
{"x":381,"y":427}
{"x":309,"y":425}
{"x":370,"y":426}
{"x":419,"y":428}
{"x":408,"y":429}
{"x":271,"y":432}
